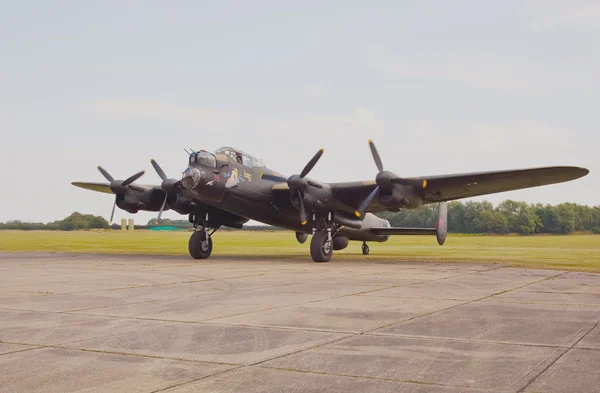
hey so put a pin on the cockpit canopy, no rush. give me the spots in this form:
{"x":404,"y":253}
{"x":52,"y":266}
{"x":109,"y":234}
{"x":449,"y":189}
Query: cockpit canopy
{"x":203,"y":157}
{"x":241,"y":157}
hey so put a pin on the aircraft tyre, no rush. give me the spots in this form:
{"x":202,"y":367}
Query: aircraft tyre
{"x":321,"y":249}
{"x":200,"y":245}
{"x":365,"y":249}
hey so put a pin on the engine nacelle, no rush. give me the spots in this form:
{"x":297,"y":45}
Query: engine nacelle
{"x":399,"y":196}
{"x":134,"y":200}
{"x":179,"y":203}
{"x":314,"y":199}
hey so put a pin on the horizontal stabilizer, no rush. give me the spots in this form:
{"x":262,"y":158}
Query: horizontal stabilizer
{"x":440,"y":232}
{"x":403,"y":231}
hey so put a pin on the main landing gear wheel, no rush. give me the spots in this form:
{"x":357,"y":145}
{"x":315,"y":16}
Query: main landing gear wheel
{"x":365,"y":248}
{"x":321,"y":248}
{"x":200,"y":245}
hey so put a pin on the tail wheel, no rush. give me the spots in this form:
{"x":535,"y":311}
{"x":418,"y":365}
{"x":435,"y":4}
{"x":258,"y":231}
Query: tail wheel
{"x":365,"y":249}
{"x":200,"y":245}
{"x":321,"y":248}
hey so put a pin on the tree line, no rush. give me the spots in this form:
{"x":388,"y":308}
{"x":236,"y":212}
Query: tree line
{"x":463,"y":217}
{"x":76,"y":221}
{"x":507,"y":217}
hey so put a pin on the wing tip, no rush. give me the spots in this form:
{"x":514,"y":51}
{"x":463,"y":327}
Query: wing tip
{"x":98,"y":187}
{"x":575,"y":172}
{"x":584,"y":171}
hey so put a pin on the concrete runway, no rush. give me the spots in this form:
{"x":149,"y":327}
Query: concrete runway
{"x":98,"y":323}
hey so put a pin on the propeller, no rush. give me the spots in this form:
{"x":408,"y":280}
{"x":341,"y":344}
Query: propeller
{"x":118,"y":186}
{"x":299,"y":184}
{"x":382,"y":176}
{"x":384,"y":179}
{"x":167,"y":185}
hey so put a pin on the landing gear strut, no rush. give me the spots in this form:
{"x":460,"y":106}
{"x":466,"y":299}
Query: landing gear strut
{"x":200,"y":245}
{"x":365,"y":248}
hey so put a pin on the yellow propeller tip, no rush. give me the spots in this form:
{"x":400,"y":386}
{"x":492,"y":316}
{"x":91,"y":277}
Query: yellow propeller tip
{"x":322,"y":150}
{"x":424,"y":183}
{"x":370,"y":140}
{"x":303,"y":222}
{"x":357,"y":213}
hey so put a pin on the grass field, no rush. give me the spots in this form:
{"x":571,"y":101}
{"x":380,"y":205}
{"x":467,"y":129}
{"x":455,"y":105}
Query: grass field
{"x":571,"y":252}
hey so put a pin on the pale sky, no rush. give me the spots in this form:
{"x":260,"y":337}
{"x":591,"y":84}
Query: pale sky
{"x":441,"y":87}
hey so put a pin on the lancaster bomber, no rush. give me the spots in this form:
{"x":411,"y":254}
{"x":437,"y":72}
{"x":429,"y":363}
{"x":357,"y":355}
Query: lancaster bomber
{"x":231,"y":187}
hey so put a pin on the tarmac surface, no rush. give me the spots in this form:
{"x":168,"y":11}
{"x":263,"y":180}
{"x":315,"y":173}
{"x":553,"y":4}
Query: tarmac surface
{"x":97,"y":323}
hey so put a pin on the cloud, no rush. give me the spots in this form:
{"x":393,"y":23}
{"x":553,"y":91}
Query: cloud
{"x":483,"y":137}
{"x":283,"y":141}
{"x":180,"y":115}
{"x":361,"y":122}
{"x":316,"y":91}
{"x":481,"y":70}
{"x":573,"y":15}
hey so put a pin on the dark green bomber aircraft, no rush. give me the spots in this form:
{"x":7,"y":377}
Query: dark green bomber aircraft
{"x":230,"y":187}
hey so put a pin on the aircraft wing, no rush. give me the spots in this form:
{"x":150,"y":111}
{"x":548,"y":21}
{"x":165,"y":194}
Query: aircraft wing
{"x":464,"y":185}
{"x":98,"y":187}
{"x":105,"y":188}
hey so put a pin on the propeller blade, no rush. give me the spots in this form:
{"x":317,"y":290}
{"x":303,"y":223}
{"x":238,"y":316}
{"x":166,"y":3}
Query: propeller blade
{"x":311,"y":163}
{"x":376,"y":156}
{"x":162,"y":208}
{"x":112,"y":214}
{"x":133,"y":178}
{"x":158,"y":170}
{"x":363,"y":206}
{"x":302,"y":211}
{"x":106,"y":174}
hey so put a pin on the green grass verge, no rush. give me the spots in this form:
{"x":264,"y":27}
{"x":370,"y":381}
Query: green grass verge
{"x":570,"y":252}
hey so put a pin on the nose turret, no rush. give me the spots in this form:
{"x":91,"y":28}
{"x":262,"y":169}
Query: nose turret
{"x":191,"y":178}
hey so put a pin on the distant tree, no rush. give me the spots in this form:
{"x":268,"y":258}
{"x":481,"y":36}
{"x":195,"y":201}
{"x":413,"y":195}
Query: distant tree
{"x":73,"y":222}
{"x":463,"y":217}
{"x":98,"y":222}
{"x":456,"y":217}
{"x":153,"y":222}
{"x":489,"y":221}
{"x":508,"y":216}
{"x":567,"y":220}
{"x":521,"y":217}
{"x":78,"y":221}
